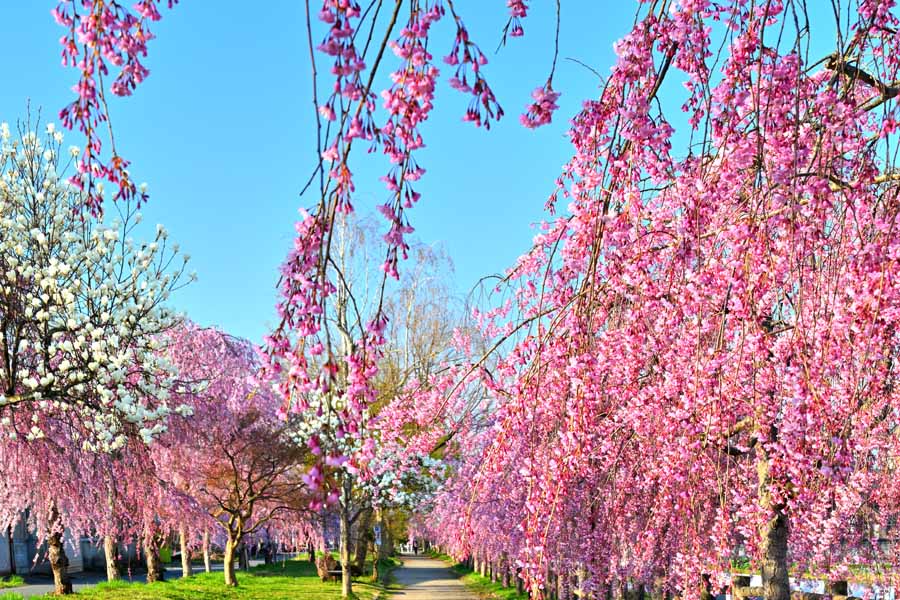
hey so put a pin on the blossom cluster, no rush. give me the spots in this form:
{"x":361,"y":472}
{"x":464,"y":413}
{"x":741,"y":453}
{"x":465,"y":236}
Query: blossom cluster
{"x":100,"y":33}
{"x":83,"y":302}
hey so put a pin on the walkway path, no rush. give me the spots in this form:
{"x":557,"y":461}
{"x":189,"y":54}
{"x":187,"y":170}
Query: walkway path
{"x":428,"y":579}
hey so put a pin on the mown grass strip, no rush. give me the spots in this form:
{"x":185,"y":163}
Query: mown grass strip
{"x":280,"y":581}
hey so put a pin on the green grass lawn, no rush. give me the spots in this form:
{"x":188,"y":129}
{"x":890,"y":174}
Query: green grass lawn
{"x":11,"y":581}
{"x":481,"y":586}
{"x":297,"y":579}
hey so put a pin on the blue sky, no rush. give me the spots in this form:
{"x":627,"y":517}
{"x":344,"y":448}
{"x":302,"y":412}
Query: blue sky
{"x":222,"y":131}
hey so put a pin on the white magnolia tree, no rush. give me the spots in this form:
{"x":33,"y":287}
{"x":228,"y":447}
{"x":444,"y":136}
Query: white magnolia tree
{"x":81,"y":303}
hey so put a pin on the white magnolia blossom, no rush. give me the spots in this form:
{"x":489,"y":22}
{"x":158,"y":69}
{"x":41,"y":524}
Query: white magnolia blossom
{"x":83,"y":302}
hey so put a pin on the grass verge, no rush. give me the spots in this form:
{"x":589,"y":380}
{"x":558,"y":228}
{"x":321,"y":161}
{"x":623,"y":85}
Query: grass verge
{"x":11,"y":581}
{"x":483,"y":587}
{"x":293,"y":579}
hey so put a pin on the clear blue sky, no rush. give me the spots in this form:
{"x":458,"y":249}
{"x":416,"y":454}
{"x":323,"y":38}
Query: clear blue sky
{"x":222,"y":132}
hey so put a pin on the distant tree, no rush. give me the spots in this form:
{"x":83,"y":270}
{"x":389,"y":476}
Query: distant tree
{"x":234,"y":456}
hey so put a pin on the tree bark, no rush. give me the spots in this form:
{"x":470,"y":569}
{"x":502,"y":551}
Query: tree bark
{"x":346,"y":581}
{"x":230,"y":578}
{"x":387,"y":539}
{"x":56,"y":553}
{"x":186,"y":570}
{"x":244,"y":558}
{"x":11,"y":550}
{"x":151,"y":555}
{"x":774,"y":540}
{"x":206,"y":562}
{"x":111,"y":550}
{"x":362,"y":542}
{"x":706,"y":587}
{"x":311,"y":550}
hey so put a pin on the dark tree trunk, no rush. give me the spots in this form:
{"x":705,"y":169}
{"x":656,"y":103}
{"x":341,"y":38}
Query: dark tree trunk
{"x":11,"y":549}
{"x":362,"y":542}
{"x":775,"y":578}
{"x":705,"y":588}
{"x":346,"y":581}
{"x":773,"y":540}
{"x":244,"y":558}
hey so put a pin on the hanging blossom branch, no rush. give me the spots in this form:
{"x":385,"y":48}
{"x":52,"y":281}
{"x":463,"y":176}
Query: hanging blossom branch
{"x":99,"y":33}
{"x":518,"y":10}
{"x":335,"y":381}
{"x":539,"y":112}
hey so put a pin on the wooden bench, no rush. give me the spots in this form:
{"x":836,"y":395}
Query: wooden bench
{"x":336,"y":574}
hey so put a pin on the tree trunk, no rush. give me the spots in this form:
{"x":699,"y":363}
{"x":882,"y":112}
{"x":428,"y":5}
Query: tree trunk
{"x":311,"y":550}
{"x":111,"y":550}
{"x":346,"y":581}
{"x":59,"y":562}
{"x":774,"y":541}
{"x":706,"y":587}
{"x":186,"y":570}
{"x":362,"y":542}
{"x":387,"y":540}
{"x":230,"y":578}
{"x":775,"y":579}
{"x":376,"y":545}
{"x":244,"y":558}
{"x":206,"y":562}
{"x":11,"y":550}
{"x":151,"y":555}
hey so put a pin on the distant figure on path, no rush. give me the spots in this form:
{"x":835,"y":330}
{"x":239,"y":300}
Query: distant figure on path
{"x":416,"y":548}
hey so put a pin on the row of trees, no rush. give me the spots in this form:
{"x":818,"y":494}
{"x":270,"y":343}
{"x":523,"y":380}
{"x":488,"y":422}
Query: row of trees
{"x":701,"y":359}
{"x":699,"y":356}
{"x":134,"y":425}
{"x":122,"y":420}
